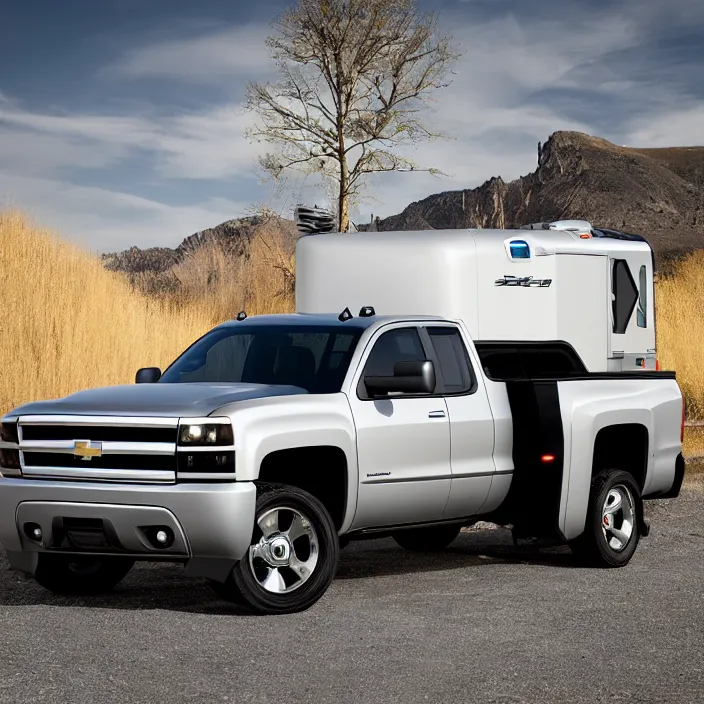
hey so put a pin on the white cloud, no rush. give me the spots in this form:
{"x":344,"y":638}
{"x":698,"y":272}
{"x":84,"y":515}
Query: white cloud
{"x":497,"y":123}
{"x":487,"y":109}
{"x":104,"y":220}
{"x":681,"y":126}
{"x":205,"y":145}
{"x":208,"y":57}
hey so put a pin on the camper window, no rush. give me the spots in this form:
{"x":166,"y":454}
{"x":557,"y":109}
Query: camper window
{"x":625,"y":295}
{"x":642,"y":298}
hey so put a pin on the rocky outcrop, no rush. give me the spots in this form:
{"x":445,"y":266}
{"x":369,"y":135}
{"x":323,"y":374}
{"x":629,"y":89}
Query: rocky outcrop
{"x":658,"y":193}
{"x":233,"y":236}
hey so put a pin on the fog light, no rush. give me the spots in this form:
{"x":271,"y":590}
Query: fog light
{"x":33,"y":531}
{"x":159,"y":536}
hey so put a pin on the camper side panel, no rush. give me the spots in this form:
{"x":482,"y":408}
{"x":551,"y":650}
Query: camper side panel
{"x":405,"y":273}
{"x":511,"y":312}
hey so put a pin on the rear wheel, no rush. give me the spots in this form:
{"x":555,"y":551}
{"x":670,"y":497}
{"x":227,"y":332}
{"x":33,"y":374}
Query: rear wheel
{"x":614,"y":515}
{"x":78,"y":574}
{"x":430,"y":539}
{"x":292,"y":558}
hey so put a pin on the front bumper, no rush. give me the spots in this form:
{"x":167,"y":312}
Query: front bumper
{"x":211,"y":523}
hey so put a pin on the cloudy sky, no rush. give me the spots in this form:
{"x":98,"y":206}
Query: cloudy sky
{"x":121,"y":121}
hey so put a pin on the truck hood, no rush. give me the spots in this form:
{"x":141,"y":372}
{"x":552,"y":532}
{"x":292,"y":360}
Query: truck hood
{"x":160,"y":400}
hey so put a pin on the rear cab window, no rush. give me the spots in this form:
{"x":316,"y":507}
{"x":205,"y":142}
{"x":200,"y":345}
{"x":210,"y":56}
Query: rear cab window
{"x":454,"y":366}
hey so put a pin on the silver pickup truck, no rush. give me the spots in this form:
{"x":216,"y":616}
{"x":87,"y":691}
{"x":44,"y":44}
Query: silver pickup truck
{"x":274,"y":440}
{"x":273,"y":437}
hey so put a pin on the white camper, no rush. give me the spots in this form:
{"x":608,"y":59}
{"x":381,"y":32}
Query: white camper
{"x":588,"y":288}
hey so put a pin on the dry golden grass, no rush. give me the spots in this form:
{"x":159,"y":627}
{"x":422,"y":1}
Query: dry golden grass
{"x":68,"y":324}
{"x":680,"y":329}
{"x":261,"y":282}
{"x":693,"y":444}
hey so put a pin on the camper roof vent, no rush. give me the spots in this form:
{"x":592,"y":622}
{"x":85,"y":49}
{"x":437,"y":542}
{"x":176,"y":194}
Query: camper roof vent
{"x":579,"y":227}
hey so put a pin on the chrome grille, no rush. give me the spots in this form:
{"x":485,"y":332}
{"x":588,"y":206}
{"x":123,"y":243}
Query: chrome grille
{"x":98,"y":448}
{"x":99,"y":433}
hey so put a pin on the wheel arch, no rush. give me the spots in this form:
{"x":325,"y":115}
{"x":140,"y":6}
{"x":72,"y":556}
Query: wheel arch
{"x":600,"y":440}
{"x":321,"y":470}
{"x":623,"y":446}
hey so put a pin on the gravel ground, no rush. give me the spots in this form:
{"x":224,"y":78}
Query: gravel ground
{"x":481,"y":622}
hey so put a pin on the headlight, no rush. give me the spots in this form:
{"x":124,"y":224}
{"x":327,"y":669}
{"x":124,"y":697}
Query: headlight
{"x":9,"y":456}
{"x":206,"y":434}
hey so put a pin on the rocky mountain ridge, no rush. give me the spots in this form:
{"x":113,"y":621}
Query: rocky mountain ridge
{"x":658,"y":193}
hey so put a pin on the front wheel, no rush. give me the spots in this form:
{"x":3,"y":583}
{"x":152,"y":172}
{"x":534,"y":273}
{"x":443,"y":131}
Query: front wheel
{"x":430,"y":539}
{"x":74,"y":574}
{"x":292,"y":558}
{"x":614,"y":515}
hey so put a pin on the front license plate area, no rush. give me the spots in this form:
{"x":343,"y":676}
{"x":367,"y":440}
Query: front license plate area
{"x":83,"y":534}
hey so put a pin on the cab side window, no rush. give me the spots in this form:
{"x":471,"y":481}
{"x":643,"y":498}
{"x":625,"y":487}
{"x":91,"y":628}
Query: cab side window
{"x":457,"y":374}
{"x":399,"y":345}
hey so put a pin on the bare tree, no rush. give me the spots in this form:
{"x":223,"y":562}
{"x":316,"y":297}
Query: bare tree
{"x":355,"y":75}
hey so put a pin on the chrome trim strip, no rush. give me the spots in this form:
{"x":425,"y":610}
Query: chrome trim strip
{"x":227,"y":476}
{"x":215,"y":420}
{"x":466,"y":475}
{"x":205,"y":448}
{"x":108,"y":447}
{"x":439,"y":477}
{"x":128,"y":475}
{"x":135,"y":421}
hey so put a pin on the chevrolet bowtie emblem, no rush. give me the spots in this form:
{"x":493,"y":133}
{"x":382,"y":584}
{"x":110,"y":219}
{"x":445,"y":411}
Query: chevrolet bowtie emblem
{"x":87,"y":450}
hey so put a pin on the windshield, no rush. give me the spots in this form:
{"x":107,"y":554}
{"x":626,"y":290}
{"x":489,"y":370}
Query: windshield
{"x":314,"y":358}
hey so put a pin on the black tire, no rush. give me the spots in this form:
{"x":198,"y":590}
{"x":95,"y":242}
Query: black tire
{"x":432,"y":539}
{"x":244,"y":585}
{"x":74,"y":574}
{"x":593,"y":547}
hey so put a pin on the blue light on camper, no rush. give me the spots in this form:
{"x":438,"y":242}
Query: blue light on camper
{"x":519,"y":250}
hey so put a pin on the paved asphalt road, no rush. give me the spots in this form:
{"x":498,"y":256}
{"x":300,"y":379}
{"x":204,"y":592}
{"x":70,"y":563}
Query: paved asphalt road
{"x":482,"y":622}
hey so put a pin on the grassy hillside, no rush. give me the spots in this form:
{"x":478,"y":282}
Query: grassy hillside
{"x":69,"y":324}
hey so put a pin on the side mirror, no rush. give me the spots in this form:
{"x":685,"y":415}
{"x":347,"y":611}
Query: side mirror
{"x":408,"y":378}
{"x":148,"y":375}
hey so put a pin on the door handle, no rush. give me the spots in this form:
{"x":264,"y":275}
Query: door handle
{"x":436,"y":414}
